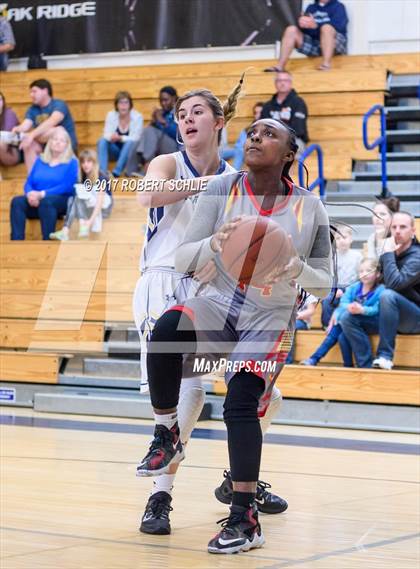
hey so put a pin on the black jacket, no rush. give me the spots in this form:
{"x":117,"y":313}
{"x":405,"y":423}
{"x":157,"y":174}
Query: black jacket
{"x":292,"y":111}
{"x":402,"y":272}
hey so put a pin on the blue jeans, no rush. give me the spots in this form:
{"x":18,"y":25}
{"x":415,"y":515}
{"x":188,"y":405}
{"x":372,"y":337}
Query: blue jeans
{"x":328,"y":307}
{"x":396,"y":314}
{"x":335,"y":335}
{"x":111,"y":150}
{"x":48,"y":211}
{"x":300,"y":325}
{"x":357,"y":328}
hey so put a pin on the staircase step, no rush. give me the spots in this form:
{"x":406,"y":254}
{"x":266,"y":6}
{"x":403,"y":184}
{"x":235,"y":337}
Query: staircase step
{"x":373,"y":188}
{"x":390,"y":176}
{"x":394,"y":167}
{"x":402,"y":136}
{"x":112,"y":367}
{"x":402,"y":156}
{"x":121,"y":347}
{"x":410,"y":113}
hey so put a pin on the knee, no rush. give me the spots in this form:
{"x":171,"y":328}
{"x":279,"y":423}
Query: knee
{"x":347,"y":320}
{"x":44,"y":205}
{"x":388,"y":297}
{"x":169,"y":325}
{"x":291,"y":31}
{"x":327,"y":30}
{"x":18,"y":203}
{"x":102,"y":143}
{"x":243,"y":394}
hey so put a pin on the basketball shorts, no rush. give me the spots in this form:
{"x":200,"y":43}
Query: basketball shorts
{"x":312,"y":46}
{"x":156,"y":291}
{"x":235,"y":337}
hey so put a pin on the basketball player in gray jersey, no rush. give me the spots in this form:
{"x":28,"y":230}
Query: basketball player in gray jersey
{"x":245,"y":322}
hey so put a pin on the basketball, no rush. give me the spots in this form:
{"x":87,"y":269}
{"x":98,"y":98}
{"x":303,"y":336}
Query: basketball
{"x":254,"y":249}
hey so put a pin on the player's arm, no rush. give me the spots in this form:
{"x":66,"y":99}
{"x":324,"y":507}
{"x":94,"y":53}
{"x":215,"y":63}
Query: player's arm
{"x":202,"y":240}
{"x":316,"y":275}
{"x":163,"y":169}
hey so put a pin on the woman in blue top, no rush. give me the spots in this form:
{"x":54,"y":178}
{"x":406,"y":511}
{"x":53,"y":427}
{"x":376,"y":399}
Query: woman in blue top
{"x":47,"y":188}
{"x":360,"y":298}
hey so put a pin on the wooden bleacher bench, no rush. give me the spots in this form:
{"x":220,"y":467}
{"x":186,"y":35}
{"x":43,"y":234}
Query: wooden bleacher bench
{"x":397,"y":387}
{"x":340,"y":97}
{"x":29,"y":367}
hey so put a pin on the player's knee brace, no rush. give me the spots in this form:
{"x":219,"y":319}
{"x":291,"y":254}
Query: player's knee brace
{"x":243,"y":393}
{"x":244,"y":431}
{"x":191,"y":402}
{"x":164,"y":362}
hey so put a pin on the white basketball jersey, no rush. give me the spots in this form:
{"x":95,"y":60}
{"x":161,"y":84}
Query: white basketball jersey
{"x":166,"y":225}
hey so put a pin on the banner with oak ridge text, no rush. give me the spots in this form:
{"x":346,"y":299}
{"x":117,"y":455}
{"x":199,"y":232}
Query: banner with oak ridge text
{"x":58,"y":28}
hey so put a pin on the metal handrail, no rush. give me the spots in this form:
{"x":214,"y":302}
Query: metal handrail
{"x":320,"y":181}
{"x":380,"y":141}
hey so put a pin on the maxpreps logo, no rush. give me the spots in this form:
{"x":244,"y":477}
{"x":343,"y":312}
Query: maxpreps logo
{"x":49,"y":11}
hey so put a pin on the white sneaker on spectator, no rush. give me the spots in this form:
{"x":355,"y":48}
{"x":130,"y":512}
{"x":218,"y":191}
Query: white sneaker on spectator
{"x":8,"y":137}
{"x":382,"y":363}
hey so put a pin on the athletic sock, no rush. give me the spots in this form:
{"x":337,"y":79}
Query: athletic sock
{"x":167,"y":421}
{"x":243,"y":499}
{"x":163,"y":483}
{"x":274,"y":406}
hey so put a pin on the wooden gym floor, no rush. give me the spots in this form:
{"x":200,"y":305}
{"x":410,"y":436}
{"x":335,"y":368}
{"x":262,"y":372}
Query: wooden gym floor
{"x":70,"y":498}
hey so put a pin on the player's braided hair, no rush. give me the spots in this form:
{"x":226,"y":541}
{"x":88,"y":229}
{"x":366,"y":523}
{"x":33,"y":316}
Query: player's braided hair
{"x":225,"y":111}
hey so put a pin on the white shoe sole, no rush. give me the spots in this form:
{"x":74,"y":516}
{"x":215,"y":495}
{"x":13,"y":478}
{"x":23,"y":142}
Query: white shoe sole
{"x":178,"y":457}
{"x":257,"y":542}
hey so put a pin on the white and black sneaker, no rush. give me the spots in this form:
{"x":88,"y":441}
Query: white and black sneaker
{"x":241,"y":532}
{"x":382,"y":363}
{"x":165,"y":449}
{"x":267,"y":502}
{"x":155,"y":519}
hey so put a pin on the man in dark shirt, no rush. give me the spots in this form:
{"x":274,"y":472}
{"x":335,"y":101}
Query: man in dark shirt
{"x":41,"y":117}
{"x":287,"y":106}
{"x":400,"y":302}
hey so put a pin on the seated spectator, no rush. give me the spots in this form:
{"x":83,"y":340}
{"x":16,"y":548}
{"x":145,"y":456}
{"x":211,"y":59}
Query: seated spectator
{"x":303,"y":322}
{"x":160,"y":136}
{"x":361,"y":300}
{"x":321,"y":30}
{"x":9,"y":153}
{"x":7,"y":42}
{"x":90,"y":204}
{"x":47,"y":188}
{"x":286,"y":105}
{"x":236,"y":153}
{"x":381,"y":219}
{"x":400,"y":302}
{"x":348,"y":261}
{"x":122,"y":132}
{"x":42,"y":116}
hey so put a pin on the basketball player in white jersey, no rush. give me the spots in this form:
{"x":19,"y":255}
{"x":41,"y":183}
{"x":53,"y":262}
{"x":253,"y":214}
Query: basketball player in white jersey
{"x":201,"y":118}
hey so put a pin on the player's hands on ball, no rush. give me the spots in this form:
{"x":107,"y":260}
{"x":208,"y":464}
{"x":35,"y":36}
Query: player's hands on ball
{"x":207,"y":273}
{"x":287,"y":272}
{"x":219,"y":238}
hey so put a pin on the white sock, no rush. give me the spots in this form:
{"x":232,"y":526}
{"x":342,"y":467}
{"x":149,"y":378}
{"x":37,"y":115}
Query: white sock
{"x":168,"y":420}
{"x":163,"y":483}
{"x":191,"y":402}
{"x":274,"y":406}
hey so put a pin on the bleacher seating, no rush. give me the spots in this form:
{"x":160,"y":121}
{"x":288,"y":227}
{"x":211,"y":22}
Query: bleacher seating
{"x":56,"y":299}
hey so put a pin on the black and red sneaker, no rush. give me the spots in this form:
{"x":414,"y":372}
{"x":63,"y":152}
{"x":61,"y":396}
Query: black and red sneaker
{"x":241,"y":532}
{"x":166,"y":449}
{"x":267,"y":502}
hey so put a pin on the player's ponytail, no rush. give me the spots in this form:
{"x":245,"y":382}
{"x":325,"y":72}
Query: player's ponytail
{"x":229,"y":108}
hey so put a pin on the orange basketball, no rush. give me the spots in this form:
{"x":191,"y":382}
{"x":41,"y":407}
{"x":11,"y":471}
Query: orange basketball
{"x":254,"y":249}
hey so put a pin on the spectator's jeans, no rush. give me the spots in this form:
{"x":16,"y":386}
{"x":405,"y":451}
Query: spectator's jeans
{"x":396,"y":314}
{"x":111,"y":150}
{"x":357,"y":328}
{"x":48,"y":211}
{"x":328,"y":307}
{"x":300,"y":325}
{"x":335,"y":335}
